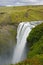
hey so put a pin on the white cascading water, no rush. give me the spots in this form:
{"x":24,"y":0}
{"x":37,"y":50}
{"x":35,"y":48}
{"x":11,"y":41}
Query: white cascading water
{"x":23,"y":31}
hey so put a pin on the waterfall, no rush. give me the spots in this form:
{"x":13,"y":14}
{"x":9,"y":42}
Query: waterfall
{"x":23,"y":31}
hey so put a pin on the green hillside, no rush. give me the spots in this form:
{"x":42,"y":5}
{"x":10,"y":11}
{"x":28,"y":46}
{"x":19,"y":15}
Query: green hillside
{"x":36,"y":41}
{"x":17,"y":14}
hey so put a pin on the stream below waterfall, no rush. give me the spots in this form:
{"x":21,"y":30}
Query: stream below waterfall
{"x":20,"y":50}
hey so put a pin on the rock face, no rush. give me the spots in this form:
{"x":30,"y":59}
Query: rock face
{"x":7,"y":38}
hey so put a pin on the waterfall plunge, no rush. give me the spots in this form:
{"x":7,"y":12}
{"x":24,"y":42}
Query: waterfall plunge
{"x":23,"y":31}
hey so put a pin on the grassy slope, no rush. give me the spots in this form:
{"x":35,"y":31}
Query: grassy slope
{"x":22,"y":13}
{"x":35,"y":55}
{"x":36,"y":41}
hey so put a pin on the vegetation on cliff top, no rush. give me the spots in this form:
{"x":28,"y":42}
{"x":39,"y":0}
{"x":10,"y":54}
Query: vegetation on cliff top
{"x":11,"y":15}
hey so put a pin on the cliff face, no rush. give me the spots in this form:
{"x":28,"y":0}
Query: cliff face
{"x":8,"y":31}
{"x":7,"y":38}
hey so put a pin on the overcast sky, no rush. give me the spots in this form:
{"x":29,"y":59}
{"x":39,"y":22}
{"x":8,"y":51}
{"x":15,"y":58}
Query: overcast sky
{"x":21,"y":2}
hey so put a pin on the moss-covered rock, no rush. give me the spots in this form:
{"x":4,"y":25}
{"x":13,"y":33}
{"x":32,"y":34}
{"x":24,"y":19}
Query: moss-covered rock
{"x":35,"y":34}
{"x":35,"y":39}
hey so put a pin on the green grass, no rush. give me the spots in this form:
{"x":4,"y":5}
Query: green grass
{"x":20,"y":13}
{"x":36,"y":60}
{"x":36,"y":41}
{"x":37,"y":48}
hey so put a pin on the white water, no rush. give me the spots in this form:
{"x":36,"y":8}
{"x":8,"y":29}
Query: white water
{"x":23,"y":31}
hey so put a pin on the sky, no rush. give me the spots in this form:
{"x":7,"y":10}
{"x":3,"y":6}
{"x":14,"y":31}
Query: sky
{"x":20,"y":2}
